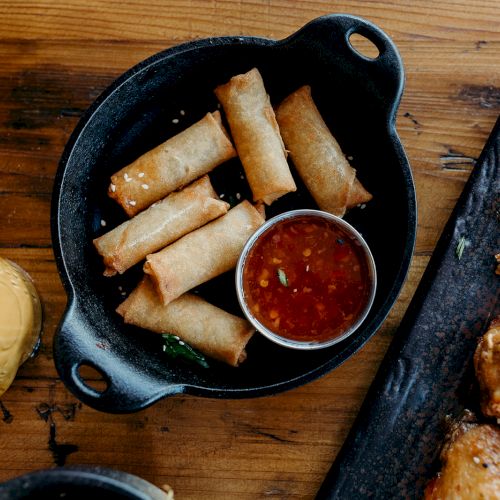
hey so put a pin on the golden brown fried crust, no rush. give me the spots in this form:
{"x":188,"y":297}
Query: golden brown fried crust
{"x":471,"y":464}
{"x":487,"y":365}
{"x":317,"y":156}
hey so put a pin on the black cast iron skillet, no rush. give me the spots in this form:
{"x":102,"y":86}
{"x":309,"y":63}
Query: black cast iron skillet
{"x":358,"y":98}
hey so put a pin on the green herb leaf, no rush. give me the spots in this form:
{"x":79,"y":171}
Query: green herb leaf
{"x":282,"y":277}
{"x":460,"y":247}
{"x":174,"y":347}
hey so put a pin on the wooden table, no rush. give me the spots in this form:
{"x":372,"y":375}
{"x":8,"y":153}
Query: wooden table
{"x":56,"y":57}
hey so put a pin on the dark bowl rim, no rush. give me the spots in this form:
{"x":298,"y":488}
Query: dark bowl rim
{"x":74,"y":476}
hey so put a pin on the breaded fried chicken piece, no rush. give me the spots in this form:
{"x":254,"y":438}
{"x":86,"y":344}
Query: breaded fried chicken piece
{"x":471,"y":464}
{"x":487,"y":364}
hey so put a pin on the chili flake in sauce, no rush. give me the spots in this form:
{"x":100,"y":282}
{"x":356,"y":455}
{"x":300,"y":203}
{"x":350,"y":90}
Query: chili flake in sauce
{"x":306,"y":279}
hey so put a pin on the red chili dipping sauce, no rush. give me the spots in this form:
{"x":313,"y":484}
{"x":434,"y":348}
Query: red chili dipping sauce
{"x":307,"y":279}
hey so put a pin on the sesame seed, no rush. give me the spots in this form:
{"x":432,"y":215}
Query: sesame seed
{"x":242,"y":176}
{"x":120,"y":288}
{"x":126,"y":177}
{"x":362,"y":206}
{"x":222,"y":196}
{"x":307,"y":268}
{"x":182,"y":112}
{"x":476,"y":460}
{"x":176,"y":337}
{"x":123,"y":294}
{"x":112,"y":187}
{"x":350,"y":158}
{"x":175,"y":120}
{"x":144,"y":186}
{"x":218,"y":105}
{"x":103,"y":223}
{"x":132,"y":203}
{"x":181,"y":342}
{"x":294,"y":290}
{"x":140,"y":174}
{"x":238,"y":196}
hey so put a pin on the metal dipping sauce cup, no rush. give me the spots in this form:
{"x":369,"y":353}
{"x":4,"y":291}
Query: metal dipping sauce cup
{"x":275,"y":337}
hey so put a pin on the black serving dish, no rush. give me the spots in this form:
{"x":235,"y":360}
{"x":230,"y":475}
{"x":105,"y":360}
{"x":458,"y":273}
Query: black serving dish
{"x":80,"y":483}
{"x":357,"y":96}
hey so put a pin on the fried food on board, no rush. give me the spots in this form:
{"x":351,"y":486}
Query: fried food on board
{"x":471,"y":464}
{"x":487,"y":365}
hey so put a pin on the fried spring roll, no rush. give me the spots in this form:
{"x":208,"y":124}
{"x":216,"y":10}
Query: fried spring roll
{"x":163,"y":222}
{"x":256,"y":136}
{"x":203,"y":326}
{"x":317,"y":155}
{"x":202,"y":254}
{"x":175,"y":163}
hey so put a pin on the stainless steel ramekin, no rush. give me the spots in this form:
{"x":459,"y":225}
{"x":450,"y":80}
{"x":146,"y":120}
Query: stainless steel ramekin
{"x":295,"y":344}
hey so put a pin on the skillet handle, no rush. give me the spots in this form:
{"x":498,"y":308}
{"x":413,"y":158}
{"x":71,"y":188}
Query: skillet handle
{"x":330,"y":35}
{"x":74,"y":347}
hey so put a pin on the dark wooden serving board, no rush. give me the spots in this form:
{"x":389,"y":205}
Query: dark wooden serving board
{"x":427,"y":374}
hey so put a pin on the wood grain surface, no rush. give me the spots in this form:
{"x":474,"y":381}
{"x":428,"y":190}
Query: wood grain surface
{"x":56,"y":57}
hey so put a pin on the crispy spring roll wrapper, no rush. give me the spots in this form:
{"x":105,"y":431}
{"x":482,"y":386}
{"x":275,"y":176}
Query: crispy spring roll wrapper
{"x":203,"y":326}
{"x":317,"y":155}
{"x":202,"y":254}
{"x":256,"y":136}
{"x":163,"y":222}
{"x":357,"y":195}
{"x":261,"y":208}
{"x":175,"y":163}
